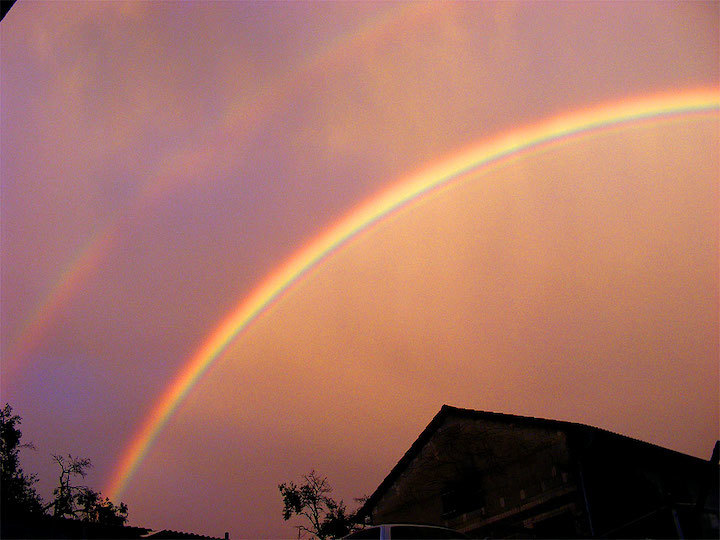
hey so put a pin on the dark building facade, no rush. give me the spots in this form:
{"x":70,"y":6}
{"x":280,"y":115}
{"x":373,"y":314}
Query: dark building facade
{"x":498,"y":475}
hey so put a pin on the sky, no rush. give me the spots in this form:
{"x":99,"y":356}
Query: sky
{"x":160,"y":163}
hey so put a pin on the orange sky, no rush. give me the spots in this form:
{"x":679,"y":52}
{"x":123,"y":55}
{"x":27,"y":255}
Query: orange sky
{"x":195,"y":146}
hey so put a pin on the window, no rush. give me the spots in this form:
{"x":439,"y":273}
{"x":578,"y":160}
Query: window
{"x":463,"y":498}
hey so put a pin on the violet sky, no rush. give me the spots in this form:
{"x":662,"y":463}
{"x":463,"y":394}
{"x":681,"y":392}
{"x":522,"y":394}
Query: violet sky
{"x":159,"y":159}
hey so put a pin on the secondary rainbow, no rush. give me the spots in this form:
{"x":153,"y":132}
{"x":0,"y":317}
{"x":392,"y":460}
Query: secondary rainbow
{"x":408,"y":189}
{"x":237,"y":122}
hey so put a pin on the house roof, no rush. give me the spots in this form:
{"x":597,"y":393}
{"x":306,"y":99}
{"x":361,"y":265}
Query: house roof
{"x":167,"y":534}
{"x":63,"y":527}
{"x":448,"y":411}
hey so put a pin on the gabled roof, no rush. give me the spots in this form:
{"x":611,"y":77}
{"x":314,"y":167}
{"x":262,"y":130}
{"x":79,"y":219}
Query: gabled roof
{"x":529,"y":421}
{"x":167,"y":534}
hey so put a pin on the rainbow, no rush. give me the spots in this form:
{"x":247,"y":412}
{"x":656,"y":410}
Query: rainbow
{"x":73,"y":275}
{"x":411,"y":188}
{"x":235,"y":123}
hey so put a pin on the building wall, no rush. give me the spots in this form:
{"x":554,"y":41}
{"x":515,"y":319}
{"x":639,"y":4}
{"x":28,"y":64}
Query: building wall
{"x":489,"y":478}
{"x":636,"y":489}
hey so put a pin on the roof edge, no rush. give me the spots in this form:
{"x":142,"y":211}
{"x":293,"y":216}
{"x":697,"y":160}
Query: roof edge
{"x":448,"y":410}
{"x":437,"y":420}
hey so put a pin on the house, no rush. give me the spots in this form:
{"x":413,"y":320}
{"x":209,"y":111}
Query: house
{"x":66,"y":528}
{"x":499,"y":475}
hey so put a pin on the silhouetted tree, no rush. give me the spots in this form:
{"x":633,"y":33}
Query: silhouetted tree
{"x":66,"y":493}
{"x":311,"y":501}
{"x":92,"y":507}
{"x":81,"y":502}
{"x":337,"y":522}
{"x":19,"y":498}
{"x":21,"y":504}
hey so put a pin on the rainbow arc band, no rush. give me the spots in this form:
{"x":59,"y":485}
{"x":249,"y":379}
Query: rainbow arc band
{"x":240,"y":119}
{"x":401,"y":193}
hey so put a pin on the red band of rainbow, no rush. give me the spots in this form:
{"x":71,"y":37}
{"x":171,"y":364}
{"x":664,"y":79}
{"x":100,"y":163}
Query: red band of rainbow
{"x":401,"y":193}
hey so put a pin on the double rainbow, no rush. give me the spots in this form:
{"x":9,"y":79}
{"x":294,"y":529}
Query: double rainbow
{"x":401,"y":193}
{"x":237,"y":121}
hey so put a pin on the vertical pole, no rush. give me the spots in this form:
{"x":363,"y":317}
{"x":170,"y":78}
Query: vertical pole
{"x":678,"y":528}
{"x":585,"y":498}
